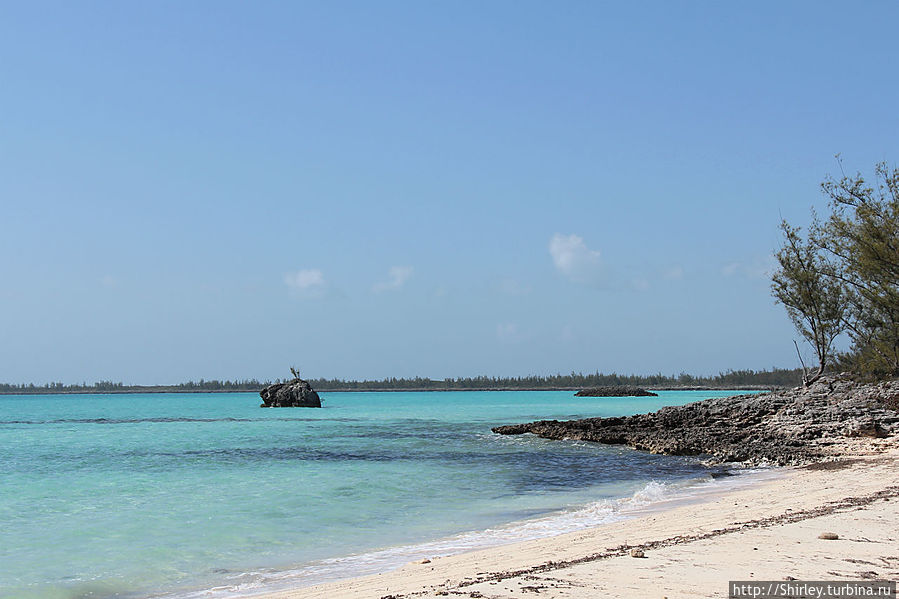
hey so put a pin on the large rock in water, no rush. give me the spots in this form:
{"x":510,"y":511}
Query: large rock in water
{"x":293,"y":394}
{"x":615,"y":391}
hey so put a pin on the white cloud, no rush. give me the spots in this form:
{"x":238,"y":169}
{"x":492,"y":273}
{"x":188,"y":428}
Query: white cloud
{"x":760,"y":268}
{"x":640,"y":284}
{"x":574,"y":259}
{"x":674,"y":273}
{"x":397,"y":277}
{"x":513,"y":287}
{"x":730,"y":269}
{"x":508,"y":331}
{"x":306,"y":283}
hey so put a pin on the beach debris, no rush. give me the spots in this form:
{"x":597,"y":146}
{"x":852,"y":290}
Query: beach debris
{"x":798,"y":515}
{"x":829,"y":536}
{"x":423,"y":561}
{"x":637,"y":552}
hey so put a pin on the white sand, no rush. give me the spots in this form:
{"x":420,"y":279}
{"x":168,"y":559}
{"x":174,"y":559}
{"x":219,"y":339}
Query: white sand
{"x":690,"y":551}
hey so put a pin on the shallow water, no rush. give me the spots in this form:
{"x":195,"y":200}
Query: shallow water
{"x":133,"y":495}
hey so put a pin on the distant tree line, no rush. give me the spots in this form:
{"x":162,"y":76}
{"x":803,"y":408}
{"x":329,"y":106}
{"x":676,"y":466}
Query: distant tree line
{"x":777,"y":377}
{"x":111,"y":387}
{"x":732,"y":379}
{"x":842,"y":276}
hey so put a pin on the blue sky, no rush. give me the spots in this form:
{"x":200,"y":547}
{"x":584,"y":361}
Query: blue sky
{"x":223,"y":189}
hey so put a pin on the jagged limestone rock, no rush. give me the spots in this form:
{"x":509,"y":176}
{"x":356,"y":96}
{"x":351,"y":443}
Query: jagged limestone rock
{"x":293,"y":394}
{"x":795,"y":426}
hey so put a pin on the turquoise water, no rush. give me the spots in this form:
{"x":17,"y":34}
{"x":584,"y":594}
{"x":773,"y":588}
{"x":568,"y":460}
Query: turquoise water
{"x":167,"y":494}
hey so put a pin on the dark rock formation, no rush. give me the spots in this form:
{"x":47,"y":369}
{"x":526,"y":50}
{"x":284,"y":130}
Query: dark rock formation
{"x":615,"y":391}
{"x":293,"y":394}
{"x":797,"y":426}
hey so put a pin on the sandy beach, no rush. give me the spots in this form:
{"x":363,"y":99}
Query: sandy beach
{"x":769,"y":531}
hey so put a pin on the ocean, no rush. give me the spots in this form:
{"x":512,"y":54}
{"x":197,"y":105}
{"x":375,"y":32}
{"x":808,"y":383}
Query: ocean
{"x":189,"y":495}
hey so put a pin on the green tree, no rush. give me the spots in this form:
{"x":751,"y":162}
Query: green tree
{"x":862,"y":239}
{"x":813,"y":297}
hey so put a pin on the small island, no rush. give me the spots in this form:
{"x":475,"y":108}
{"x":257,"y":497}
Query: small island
{"x":615,"y":391}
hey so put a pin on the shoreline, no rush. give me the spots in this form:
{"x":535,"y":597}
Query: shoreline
{"x":653,"y":497}
{"x":401,"y":390}
{"x":767,"y":531}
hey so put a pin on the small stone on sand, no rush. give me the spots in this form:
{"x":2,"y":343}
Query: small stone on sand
{"x":829,"y":536}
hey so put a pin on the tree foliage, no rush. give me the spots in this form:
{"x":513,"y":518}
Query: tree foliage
{"x":852,"y":255}
{"x":862,"y":235}
{"x":805,"y":285}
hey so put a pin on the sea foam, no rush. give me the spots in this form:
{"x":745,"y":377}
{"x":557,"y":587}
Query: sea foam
{"x":654,"y":496}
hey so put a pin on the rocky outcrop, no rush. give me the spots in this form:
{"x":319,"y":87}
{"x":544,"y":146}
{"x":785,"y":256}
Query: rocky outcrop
{"x":615,"y":391}
{"x":796,"y":426}
{"x":293,"y":394}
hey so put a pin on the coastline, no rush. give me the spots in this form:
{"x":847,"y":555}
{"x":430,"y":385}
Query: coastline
{"x":768,"y":531}
{"x":176,"y":391}
{"x":359,"y":476}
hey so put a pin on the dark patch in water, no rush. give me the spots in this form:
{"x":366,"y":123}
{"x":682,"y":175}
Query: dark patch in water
{"x":524,"y":471}
{"x":523,"y":467}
